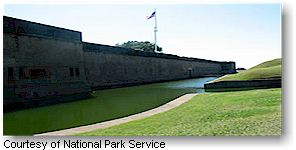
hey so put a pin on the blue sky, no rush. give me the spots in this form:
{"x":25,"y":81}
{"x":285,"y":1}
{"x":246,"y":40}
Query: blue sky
{"x":245,"y":33}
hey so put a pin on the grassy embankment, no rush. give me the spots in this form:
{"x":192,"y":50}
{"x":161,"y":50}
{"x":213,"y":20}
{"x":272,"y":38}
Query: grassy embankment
{"x":253,"y":112}
{"x":266,"y":70}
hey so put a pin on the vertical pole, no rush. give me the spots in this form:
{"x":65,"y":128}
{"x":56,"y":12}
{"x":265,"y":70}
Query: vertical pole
{"x":155,"y":30}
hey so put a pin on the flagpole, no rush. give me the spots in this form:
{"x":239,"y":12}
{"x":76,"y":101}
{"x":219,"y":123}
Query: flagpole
{"x":155,"y":30}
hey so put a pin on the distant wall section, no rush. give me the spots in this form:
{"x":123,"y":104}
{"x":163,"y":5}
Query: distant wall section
{"x":108,"y":66}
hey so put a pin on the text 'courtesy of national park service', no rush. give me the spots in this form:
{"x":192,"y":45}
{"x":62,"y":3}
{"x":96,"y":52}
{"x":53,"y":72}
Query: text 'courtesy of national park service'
{"x":79,"y":144}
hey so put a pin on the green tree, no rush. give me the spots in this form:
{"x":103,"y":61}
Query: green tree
{"x":136,"y":45}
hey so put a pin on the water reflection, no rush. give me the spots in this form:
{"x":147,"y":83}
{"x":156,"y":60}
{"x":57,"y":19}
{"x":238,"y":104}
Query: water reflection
{"x":197,"y":83}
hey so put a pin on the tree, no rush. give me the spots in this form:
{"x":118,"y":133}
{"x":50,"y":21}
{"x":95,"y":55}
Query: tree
{"x":241,"y":68}
{"x":136,"y":45}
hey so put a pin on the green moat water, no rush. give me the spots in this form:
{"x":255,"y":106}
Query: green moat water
{"x":103,"y":105}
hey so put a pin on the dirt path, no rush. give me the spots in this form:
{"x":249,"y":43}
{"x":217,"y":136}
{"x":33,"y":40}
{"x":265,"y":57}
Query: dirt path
{"x":172,"y":104}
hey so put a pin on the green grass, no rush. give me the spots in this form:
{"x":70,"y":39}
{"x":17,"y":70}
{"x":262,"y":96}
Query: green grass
{"x":253,"y":112}
{"x":269,"y":69}
{"x":271,"y":63}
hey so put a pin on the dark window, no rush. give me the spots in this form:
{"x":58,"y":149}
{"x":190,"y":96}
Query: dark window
{"x":21,"y":73}
{"x":10,"y":73}
{"x":71,"y":72}
{"x":37,"y":73}
{"x":86,"y":73}
{"x":77,"y":71}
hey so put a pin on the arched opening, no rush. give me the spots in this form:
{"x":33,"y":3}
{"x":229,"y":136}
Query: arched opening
{"x":190,"y":72}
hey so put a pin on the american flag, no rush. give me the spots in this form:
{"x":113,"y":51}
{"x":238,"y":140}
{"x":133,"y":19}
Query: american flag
{"x":152,"y":15}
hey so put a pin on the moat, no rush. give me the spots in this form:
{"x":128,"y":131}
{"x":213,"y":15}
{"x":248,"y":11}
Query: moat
{"x":103,"y":105}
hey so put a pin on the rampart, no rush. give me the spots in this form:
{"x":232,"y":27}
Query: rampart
{"x":46,"y":62}
{"x":108,"y":66}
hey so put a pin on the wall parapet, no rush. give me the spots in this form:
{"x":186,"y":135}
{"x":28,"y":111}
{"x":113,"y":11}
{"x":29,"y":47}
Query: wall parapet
{"x":22,"y":27}
{"x":100,"y":48}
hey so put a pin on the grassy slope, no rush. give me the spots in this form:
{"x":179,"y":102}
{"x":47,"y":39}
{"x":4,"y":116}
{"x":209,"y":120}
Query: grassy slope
{"x":254,"y":112}
{"x":269,"y":69}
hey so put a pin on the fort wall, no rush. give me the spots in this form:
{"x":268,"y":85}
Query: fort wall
{"x":42,"y":61}
{"x":36,"y":63}
{"x":124,"y":67}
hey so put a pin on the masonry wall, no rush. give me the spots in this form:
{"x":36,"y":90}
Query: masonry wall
{"x":38,"y":58}
{"x":123,"y":67}
{"x":258,"y":83}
